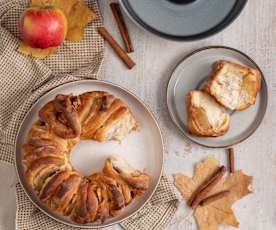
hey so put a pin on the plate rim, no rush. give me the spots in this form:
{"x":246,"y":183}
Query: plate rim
{"x":227,"y":21}
{"x":198,"y":51}
{"x":145,"y":106}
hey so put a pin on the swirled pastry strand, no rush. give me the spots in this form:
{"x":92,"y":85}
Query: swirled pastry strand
{"x":62,"y":123}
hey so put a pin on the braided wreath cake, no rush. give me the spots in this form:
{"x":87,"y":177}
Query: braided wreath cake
{"x":62,"y":123}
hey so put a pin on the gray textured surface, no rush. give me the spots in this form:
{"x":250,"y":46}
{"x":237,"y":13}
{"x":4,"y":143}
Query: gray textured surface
{"x":254,"y":33}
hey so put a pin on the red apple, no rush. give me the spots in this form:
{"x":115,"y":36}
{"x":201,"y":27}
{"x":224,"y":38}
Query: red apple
{"x":43,"y":27}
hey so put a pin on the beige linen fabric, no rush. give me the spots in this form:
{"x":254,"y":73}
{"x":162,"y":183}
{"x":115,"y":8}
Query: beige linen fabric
{"x":24,"y":79}
{"x":157,"y":212}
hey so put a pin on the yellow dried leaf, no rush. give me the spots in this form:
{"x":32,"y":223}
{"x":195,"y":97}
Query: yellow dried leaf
{"x":35,"y":52}
{"x":218,"y":212}
{"x":77,"y":13}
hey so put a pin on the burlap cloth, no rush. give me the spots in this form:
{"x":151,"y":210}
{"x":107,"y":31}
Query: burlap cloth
{"x":24,"y":79}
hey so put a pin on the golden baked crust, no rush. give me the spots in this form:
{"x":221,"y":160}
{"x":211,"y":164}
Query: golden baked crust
{"x":86,"y":204}
{"x":93,"y":115}
{"x":233,"y":85}
{"x":40,"y":136}
{"x":52,"y":183}
{"x":63,"y":123}
{"x":118,"y":168}
{"x":102,"y":195}
{"x":109,"y":171}
{"x":198,"y":119}
{"x":65,"y":193}
{"x":115,"y":195}
{"x":100,"y":113}
{"x":40,"y":168}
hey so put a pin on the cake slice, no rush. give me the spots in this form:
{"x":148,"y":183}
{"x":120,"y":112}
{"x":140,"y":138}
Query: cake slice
{"x":205,"y":116}
{"x":233,"y":85}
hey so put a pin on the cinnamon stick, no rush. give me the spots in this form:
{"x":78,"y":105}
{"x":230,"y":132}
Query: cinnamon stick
{"x":231,"y":160}
{"x":206,"y":187}
{"x":215,"y":197}
{"x":116,"y":47}
{"x":117,"y":13}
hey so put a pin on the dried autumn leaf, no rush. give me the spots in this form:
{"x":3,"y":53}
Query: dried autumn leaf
{"x":35,"y":52}
{"x":218,"y":212}
{"x":78,"y":16}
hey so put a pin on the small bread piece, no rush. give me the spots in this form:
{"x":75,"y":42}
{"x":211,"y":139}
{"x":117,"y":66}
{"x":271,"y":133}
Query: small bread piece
{"x":40,"y":138}
{"x":115,"y":194}
{"x":110,"y":171}
{"x":104,"y":117}
{"x":233,"y":85}
{"x":52,"y":183}
{"x":86,"y":204}
{"x":65,"y":193}
{"x":138,"y":182}
{"x":117,"y":127}
{"x":41,"y":168}
{"x":102,"y":195}
{"x":205,"y":116}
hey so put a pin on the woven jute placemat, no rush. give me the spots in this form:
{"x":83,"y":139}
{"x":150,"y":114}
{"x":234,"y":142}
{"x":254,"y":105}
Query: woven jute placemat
{"x":24,"y":79}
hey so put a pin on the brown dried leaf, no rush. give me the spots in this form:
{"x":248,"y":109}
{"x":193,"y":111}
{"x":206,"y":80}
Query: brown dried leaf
{"x":78,"y":16}
{"x":35,"y":52}
{"x":219,"y":212}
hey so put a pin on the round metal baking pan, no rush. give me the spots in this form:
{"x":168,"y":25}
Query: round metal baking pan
{"x":143,"y":149}
{"x":191,"y":73}
{"x":183,"y":20}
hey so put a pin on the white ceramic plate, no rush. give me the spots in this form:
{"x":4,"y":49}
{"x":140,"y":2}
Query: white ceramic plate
{"x":143,"y":149}
{"x":191,"y":73}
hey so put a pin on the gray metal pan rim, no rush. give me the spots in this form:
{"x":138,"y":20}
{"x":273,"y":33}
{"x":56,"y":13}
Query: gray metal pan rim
{"x":237,"y":9}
